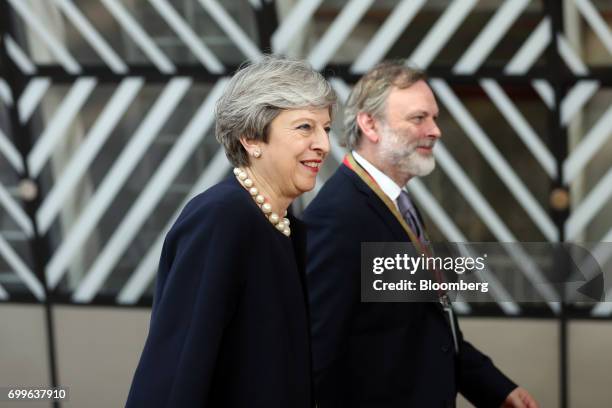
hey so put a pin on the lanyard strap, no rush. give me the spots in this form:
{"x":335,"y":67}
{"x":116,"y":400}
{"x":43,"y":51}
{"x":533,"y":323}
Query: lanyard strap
{"x":350,"y":162}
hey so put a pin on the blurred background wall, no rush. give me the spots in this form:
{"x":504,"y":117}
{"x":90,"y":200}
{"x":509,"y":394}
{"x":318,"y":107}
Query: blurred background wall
{"x":106,"y":129}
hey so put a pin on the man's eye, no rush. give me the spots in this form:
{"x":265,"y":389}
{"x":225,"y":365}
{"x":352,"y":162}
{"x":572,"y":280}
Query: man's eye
{"x":418,"y":119}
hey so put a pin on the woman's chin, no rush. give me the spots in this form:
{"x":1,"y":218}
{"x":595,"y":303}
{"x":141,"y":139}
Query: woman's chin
{"x":305,"y":186}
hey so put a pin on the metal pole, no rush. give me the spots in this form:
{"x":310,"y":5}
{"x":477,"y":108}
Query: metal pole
{"x":22,"y":137}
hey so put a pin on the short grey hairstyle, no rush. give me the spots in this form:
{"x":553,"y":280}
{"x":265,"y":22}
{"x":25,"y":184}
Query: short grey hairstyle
{"x":258,"y":92}
{"x":370,"y":94}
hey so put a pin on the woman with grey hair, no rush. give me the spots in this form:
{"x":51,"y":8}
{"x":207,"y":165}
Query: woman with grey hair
{"x":230,"y":325}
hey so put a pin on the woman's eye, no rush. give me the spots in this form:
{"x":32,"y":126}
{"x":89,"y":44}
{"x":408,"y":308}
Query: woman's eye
{"x":327,"y":130}
{"x":305,"y":126}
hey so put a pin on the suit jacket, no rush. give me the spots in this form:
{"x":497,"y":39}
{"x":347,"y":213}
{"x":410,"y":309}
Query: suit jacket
{"x":379,"y":354}
{"x":229,"y":325}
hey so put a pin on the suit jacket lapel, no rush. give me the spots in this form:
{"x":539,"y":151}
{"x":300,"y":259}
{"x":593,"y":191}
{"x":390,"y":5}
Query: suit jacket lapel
{"x":377,"y":206}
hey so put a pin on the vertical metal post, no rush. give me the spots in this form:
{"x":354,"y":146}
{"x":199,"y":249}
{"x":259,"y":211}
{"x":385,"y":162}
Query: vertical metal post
{"x":22,"y":138}
{"x":267,"y":22}
{"x":558,"y":142}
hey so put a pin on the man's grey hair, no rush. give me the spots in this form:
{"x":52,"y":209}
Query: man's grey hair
{"x":370,"y":94}
{"x":258,"y":92}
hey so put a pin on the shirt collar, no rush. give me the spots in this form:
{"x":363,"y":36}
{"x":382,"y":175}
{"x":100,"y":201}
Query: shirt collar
{"x":386,"y":184}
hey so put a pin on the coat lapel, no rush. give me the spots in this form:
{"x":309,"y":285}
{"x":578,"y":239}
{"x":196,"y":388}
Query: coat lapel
{"x":378,"y":207}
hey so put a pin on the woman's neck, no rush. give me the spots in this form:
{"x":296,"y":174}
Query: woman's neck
{"x":271,"y":193}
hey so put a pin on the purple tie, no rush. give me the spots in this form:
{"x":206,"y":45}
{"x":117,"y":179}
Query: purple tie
{"x":408,"y":212}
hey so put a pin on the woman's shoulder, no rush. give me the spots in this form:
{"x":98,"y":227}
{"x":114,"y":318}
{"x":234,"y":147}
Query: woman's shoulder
{"x":226,"y":203}
{"x":226,"y":197}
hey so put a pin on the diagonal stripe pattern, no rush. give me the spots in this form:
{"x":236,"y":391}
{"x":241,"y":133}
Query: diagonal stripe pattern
{"x":321,"y":51}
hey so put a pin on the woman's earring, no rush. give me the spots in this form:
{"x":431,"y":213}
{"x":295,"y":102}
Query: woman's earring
{"x":257,"y":153}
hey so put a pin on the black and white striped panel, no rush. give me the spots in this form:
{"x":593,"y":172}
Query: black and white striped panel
{"x":109,"y":152}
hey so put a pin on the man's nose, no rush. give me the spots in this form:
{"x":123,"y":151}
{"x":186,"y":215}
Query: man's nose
{"x":434,"y":131}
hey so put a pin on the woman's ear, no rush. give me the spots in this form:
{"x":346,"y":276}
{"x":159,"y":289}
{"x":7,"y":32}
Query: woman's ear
{"x":367,"y":124}
{"x":252,"y":146}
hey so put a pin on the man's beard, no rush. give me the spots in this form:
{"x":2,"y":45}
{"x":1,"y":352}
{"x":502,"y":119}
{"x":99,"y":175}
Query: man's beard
{"x":403,"y":156}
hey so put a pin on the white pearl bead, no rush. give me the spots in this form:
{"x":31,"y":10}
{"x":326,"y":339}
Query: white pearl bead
{"x":285,"y":214}
{"x":280,"y":224}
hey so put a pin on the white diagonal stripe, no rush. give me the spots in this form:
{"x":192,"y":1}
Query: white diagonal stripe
{"x":341,"y":88}
{"x":572,"y":60}
{"x":496,"y":160}
{"x":295,"y":21}
{"x":596,"y":22}
{"x":437,"y":214}
{"x":15,"y":211}
{"x":116,"y":176}
{"x":92,"y":36}
{"x":145,"y":271}
{"x":185,"y":33}
{"x":531,"y":49}
{"x":82,"y":158}
{"x":337,"y":32}
{"x":5,"y":93}
{"x":233,"y":30}
{"x":31,"y":97}
{"x":12,"y":155}
{"x":3,"y":293}
{"x":576,"y":98}
{"x":490,"y":36}
{"x":490,"y":218}
{"x":140,"y":37}
{"x":150,"y":196}
{"x":56,"y":47}
{"x":588,"y":208}
{"x":386,"y":36}
{"x":453,"y":234}
{"x":521,"y":127}
{"x":21,"y":269}
{"x":18,"y":56}
{"x":441,"y":32}
{"x":545,"y":91}
{"x":588,"y":147}
{"x":604,"y":308}
{"x":59,"y":123}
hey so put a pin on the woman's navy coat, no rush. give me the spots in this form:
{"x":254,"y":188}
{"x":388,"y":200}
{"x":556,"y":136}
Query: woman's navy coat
{"x":229,"y":325}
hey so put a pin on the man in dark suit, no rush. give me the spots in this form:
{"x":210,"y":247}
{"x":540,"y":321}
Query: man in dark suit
{"x":386,"y":354}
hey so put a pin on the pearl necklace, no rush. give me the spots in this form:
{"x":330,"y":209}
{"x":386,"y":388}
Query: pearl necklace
{"x":281,"y":224}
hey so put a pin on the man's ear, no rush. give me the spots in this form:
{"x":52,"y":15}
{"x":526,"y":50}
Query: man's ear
{"x":367,"y":124}
{"x":250,"y":145}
